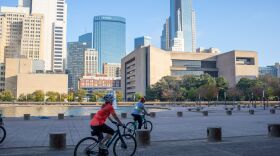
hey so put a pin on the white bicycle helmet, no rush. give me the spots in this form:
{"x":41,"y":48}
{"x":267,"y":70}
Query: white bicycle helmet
{"x":109,"y":98}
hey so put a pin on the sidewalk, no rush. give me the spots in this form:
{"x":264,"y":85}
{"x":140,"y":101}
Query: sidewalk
{"x":233,"y":146}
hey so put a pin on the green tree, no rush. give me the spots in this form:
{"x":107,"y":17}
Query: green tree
{"x":208,"y":91}
{"x":39,"y":95}
{"x":119,"y":96}
{"x":71,"y":96}
{"x":6,"y":96}
{"x":81,"y":94}
{"x":97,"y":96}
{"x":53,"y":96}
{"x":22,"y":97}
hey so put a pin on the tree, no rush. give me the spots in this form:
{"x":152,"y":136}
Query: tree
{"x":70,"y":96}
{"x":6,"y":96}
{"x":39,"y":95}
{"x":22,"y":97}
{"x":81,"y":94}
{"x":208,"y":91}
{"x":97,"y":95}
{"x":53,"y":96}
{"x":119,"y":96}
{"x":137,"y":96}
{"x":234,"y":94}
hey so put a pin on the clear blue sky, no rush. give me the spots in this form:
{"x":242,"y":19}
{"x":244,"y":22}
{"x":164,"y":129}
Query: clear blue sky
{"x":225,"y":24}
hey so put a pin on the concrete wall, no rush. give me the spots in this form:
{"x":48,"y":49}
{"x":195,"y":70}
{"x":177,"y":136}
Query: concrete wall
{"x":226,"y":67}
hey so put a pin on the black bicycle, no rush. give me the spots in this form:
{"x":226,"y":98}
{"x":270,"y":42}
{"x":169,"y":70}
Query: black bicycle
{"x":133,"y":126}
{"x":124,"y":144}
{"x":2,"y":131}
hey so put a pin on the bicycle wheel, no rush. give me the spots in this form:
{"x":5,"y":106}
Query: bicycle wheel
{"x":148,"y":125}
{"x":126,"y":147}
{"x":86,"y":146}
{"x":130,"y":128}
{"x":2,"y":134}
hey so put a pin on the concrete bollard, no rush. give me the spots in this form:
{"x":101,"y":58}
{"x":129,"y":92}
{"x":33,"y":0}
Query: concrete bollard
{"x":123,"y":115}
{"x":214,"y":134}
{"x":205,"y":113}
{"x":92,"y":115}
{"x":228,"y":112}
{"x":197,"y":109}
{"x":26,"y":116}
{"x":272,"y":111}
{"x":255,"y":106}
{"x":60,"y":116}
{"x":179,"y":114}
{"x":143,"y":137}
{"x":153,"y":114}
{"x":57,"y":140}
{"x":251,"y":112}
{"x":274,"y":130}
{"x":189,"y":109}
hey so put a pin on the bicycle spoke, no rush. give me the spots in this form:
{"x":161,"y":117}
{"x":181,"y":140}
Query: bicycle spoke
{"x":87,"y":146}
{"x":125,"y":147}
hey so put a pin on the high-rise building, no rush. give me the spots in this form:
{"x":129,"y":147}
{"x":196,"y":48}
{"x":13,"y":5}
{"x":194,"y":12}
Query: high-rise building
{"x":54,"y":30}
{"x":142,"y":41}
{"x":75,"y":64}
{"x":109,"y":35}
{"x":21,"y":34}
{"x":193,"y":31}
{"x":86,"y":38}
{"x":90,"y":62}
{"x":181,"y":17}
{"x":165,"y":36}
{"x":277,"y":65}
{"x":112,"y":69}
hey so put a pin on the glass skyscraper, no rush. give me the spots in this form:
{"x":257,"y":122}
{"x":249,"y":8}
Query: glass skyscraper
{"x":87,"y":38}
{"x":109,"y":37}
{"x":142,"y":41}
{"x":183,"y":10}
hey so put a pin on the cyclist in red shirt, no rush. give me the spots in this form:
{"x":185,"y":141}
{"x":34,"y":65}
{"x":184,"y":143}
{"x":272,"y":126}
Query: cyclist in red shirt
{"x":98,"y":122}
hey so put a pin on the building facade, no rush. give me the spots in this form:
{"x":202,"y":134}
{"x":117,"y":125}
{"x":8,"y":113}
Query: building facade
{"x":21,"y":34}
{"x":90,"y":62}
{"x":109,"y":35}
{"x":75,"y":64}
{"x":145,"y":66}
{"x":54,"y":30}
{"x":20,"y":78}
{"x":165,"y":36}
{"x":99,"y":83}
{"x":273,"y":70}
{"x":86,"y":38}
{"x":142,"y":41}
{"x":181,"y":17}
{"x":112,"y":69}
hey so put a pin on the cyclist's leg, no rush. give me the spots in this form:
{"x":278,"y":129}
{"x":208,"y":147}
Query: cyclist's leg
{"x":109,"y":133}
{"x":138,"y":118}
{"x":98,"y":132}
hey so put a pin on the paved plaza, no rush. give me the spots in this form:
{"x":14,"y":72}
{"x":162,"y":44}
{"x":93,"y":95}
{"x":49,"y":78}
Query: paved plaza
{"x":171,"y":135}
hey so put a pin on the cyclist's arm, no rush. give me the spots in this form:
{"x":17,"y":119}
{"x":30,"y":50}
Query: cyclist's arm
{"x":117,"y":118}
{"x":145,"y":111}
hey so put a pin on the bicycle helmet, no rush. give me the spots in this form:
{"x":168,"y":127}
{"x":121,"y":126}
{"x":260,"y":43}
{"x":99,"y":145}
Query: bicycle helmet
{"x":109,"y":98}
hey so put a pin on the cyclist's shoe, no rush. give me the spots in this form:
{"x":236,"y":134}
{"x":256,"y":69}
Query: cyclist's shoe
{"x":102,"y":146}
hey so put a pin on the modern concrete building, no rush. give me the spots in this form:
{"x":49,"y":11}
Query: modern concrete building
{"x":21,"y":34}
{"x":99,"y":83}
{"x":210,"y":50}
{"x":90,"y":62}
{"x":142,"y":41}
{"x":54,"y":30}
{"x":273,"y":70}
{"x":112,"y":69}
{"x":20,"y":78}
{"x":109,"y":35}
{"x":147,"y":65}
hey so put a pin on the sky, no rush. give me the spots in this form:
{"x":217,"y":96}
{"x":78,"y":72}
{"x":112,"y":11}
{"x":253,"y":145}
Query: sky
{"x":224,"y":24}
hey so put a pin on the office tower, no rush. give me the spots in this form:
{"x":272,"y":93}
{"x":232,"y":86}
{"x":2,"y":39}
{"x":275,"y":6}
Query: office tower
{"x":112,"y":69}
{"x":178,"y":40}
{"x":165,"y":36}
{"x":184,"y":8}
{"x":55,"y":24}
{"x":109,"y":35}
{"x":90,"y":62}
{"x":21,"y":34}
{"x":193,"y":31}
{"x":86,"y":38}
{"x":142,"y":41}
{"x":75,"y":65}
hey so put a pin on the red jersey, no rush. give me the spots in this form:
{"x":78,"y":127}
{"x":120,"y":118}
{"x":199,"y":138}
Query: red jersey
{"x":101,"y":116}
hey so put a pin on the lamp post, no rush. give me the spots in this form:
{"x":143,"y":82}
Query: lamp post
{"x":263,"y":100}
{"x":225,"y":96}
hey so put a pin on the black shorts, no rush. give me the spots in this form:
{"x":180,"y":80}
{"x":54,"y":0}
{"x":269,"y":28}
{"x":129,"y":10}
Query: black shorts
{"x":102,"y":129}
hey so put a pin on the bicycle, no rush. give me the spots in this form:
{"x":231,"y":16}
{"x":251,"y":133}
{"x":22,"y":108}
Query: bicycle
{"x":133,"y":126}
{"x":2,"y":131}
{"x":122,"y":143}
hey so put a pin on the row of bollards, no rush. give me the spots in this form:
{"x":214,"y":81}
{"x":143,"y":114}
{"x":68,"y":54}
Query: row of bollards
{"x":61,"y":116}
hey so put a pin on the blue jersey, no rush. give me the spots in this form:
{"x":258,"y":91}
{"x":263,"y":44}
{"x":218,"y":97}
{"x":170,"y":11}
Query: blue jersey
{"x":138,"y":108}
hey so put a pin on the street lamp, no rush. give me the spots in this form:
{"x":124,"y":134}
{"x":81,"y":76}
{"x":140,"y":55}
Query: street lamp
{"x":225,"y":96}
{"x":263,"y":100}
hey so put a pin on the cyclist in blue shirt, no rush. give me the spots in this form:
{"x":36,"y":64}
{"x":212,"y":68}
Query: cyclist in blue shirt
{"x":139,"y":108}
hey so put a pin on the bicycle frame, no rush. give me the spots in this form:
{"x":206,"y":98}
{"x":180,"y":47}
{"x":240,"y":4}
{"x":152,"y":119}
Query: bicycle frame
{"x":115,"y":136}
